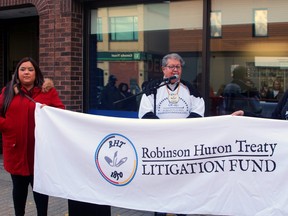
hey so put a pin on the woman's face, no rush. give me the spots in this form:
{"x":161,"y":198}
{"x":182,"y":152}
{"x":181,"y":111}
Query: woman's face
{"x":27,"y":75}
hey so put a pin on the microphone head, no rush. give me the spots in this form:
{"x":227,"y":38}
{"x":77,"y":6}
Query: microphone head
{"x":171,"y":78}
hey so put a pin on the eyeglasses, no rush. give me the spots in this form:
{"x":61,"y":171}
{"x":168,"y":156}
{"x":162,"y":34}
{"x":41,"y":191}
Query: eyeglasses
{"x":172,"y":67}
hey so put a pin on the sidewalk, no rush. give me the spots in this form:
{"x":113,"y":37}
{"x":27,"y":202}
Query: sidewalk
{"x":57,"y":206}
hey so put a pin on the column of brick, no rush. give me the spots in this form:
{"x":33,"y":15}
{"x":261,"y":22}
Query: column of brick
{"x":61,"y":50}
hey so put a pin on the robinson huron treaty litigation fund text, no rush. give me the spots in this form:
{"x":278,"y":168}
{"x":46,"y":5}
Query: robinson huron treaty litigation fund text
{"x":241,"y":156}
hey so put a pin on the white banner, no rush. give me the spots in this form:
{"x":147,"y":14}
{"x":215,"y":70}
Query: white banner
{"x":224,"y":165}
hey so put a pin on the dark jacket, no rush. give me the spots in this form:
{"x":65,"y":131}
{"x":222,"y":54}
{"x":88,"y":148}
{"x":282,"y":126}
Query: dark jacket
{"x":239,"y":96}
{"x":281,"y":108}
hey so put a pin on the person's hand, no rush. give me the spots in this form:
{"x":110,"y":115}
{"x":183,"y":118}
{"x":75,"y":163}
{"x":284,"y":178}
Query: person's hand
{"x":47,"y":85}
{"x":238,"y":113}
{"x":42,"y":105}
{"x":16,"y":89}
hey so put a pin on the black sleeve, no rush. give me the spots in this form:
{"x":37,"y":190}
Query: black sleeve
{"x":252,"y":114}
{"x":152,"y":86}
{"x":150,"y":115}
{"x":277,"y":113}
{"x":194,"y":115}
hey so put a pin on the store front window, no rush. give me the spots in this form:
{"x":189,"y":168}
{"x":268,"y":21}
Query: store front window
{"x":252,"y":34}
{"x":127,"y":44}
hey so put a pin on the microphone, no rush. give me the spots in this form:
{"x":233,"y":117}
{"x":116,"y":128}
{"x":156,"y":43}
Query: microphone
{"x":168,"y":79}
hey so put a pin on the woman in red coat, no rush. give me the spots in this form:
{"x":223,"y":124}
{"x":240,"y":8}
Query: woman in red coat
{"x":17,"y":124}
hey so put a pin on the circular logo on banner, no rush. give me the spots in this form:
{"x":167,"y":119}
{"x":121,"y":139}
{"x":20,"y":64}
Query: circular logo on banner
{"x":116,"y":159}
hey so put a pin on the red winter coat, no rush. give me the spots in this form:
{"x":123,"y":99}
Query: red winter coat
{"x":18,"y":129}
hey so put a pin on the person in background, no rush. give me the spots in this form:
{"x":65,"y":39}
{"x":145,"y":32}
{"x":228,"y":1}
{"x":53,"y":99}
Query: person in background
{"x":275,"y":93}
{"x":144,"y":84}
{"x":178,"y":99}
{"x":220,"y":90}
{"x":110,"y":94}
{"x":250,"y":84}
{"x":280,"y":111}
{"x":129,"y":104}
{"x":240,"y":94}
{"x":17,"y":124}
{"x":263,"y":90}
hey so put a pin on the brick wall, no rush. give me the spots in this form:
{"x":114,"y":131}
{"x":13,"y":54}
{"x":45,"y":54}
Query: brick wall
{"x":60,"y":46}
{"x":61,"y":50}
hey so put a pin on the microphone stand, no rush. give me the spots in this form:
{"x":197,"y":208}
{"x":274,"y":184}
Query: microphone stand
{"x":153,"y":91}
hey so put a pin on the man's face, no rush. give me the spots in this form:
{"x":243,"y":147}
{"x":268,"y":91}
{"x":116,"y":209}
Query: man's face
{"x":276,"y":85}
{"x":172,"y":68}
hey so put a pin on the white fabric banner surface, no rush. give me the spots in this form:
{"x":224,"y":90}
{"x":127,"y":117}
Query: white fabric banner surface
{"x":223,"y":165}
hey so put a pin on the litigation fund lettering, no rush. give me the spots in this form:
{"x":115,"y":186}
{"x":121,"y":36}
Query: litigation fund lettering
{"x":240,"y":156}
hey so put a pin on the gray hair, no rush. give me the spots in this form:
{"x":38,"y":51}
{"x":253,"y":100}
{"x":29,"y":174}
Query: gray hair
{"x":172,"y":56}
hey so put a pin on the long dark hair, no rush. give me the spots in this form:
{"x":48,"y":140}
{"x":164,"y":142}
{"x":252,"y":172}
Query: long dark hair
{"x":15,"y":82}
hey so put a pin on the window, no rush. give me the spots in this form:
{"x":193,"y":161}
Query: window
{"x":123,"y":29}
{"x":99,"y":29}
{"x":260,"y":27}
{"x":216,"y":24}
